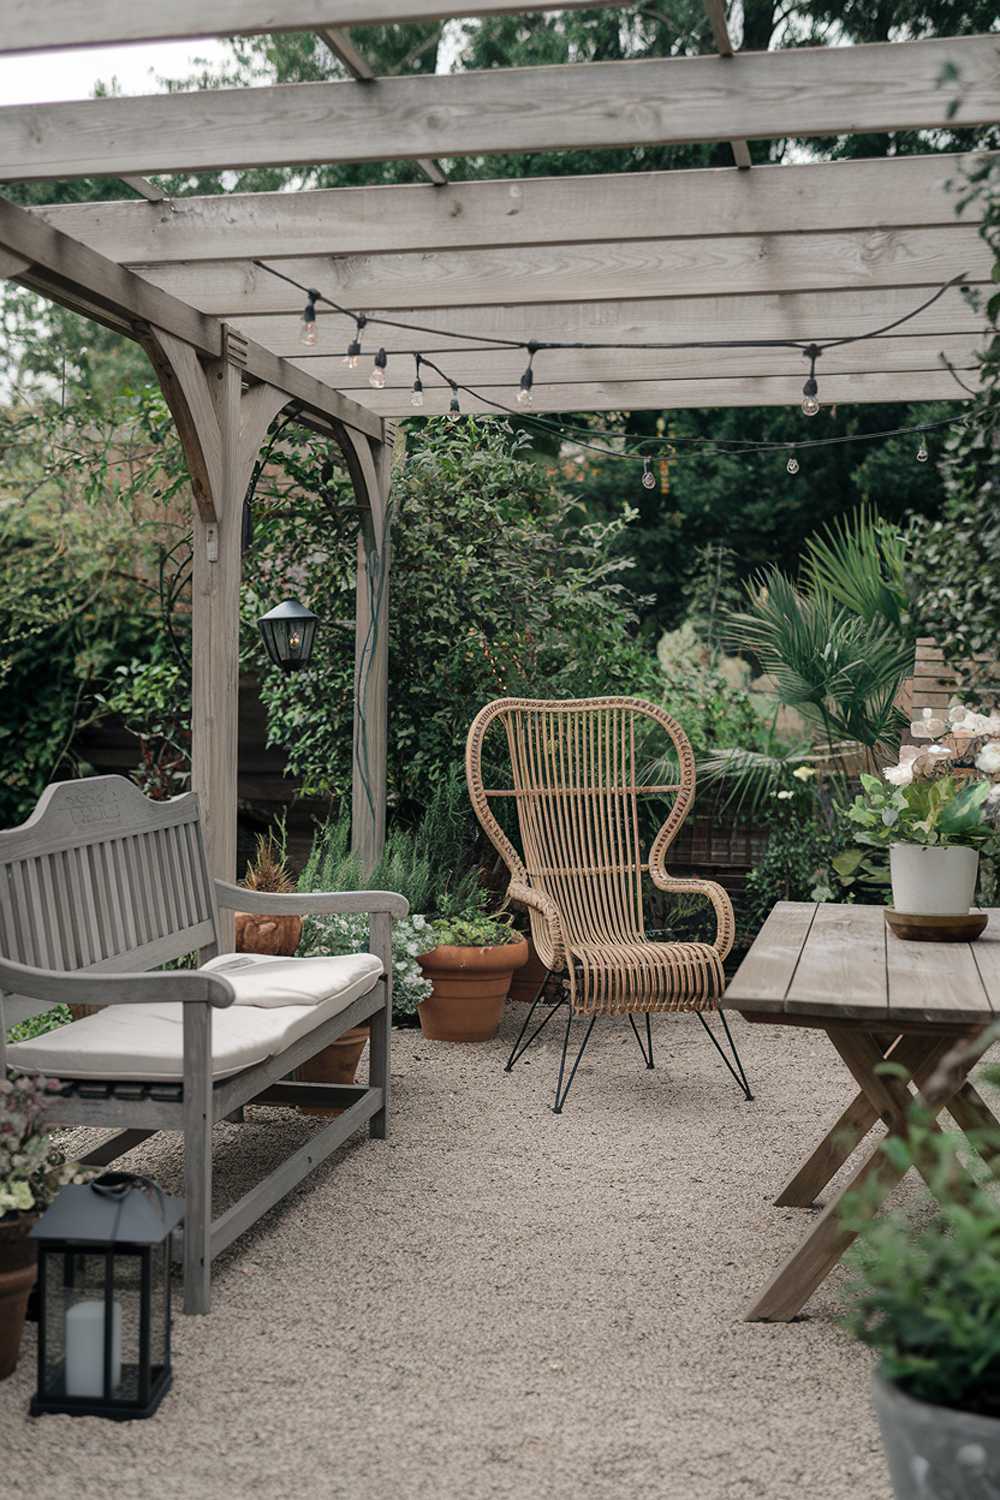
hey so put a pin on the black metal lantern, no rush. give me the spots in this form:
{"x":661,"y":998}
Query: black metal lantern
{"x":104,"y":1298}
{"x":288,"y":632}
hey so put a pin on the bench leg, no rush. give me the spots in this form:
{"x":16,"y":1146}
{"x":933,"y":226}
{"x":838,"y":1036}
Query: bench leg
{"x":197,"y":1158}
{"x":381,"y":1027}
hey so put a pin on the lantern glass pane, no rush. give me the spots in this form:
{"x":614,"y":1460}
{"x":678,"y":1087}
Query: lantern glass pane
{"x":127,"y":1294}
{"x":75,"y":1325}
{"x":159,"y":1328}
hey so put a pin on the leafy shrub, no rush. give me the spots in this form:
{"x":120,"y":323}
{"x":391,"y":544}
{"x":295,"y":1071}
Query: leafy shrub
{"x":929,"y":1300}
{"x":46,"y":1020}
{"x":348,"y":933}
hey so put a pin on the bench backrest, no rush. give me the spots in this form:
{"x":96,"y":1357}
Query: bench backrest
{"x":100,"y":877}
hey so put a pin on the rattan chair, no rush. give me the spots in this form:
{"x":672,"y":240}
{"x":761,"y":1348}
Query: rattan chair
{"x":577,"y":774}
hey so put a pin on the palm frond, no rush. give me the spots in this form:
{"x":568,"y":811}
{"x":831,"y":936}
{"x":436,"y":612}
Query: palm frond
{"x":860,"y":562}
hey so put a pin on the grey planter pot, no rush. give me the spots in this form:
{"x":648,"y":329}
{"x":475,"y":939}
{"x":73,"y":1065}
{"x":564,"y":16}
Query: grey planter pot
{"x":936,"y":1453}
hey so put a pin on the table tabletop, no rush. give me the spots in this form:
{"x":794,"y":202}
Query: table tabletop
{"x":823,"y":963}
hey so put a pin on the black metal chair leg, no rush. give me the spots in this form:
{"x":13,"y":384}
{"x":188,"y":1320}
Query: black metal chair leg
{"x":647,"y":1051}
{"x":561,"y":1093}
{"x":740,"y":1076}
{"x":517,"y":1050}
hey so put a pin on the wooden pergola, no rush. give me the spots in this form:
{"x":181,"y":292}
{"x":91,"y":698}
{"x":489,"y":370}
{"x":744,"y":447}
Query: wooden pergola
{"x":806,"y":252}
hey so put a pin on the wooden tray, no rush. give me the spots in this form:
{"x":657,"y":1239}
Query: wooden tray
{"x":964,"y":929}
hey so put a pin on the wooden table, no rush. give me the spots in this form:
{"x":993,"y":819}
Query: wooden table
{"x":840,"y":969}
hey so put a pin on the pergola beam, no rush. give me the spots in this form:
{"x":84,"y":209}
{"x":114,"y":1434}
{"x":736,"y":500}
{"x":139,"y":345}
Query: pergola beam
{"x":665,"y":395}
{"x":884,"y":193}
{"x":786,"y":315}
{"x":744,"y":264}
{"x":30,"y":27}
{"x":603,"y":366}
{"x":797,"y":92}
{"x":716,"y":12}
{"x":72,"y":273}
{"x":344,"y":50}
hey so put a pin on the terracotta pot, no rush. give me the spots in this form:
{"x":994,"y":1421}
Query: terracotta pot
{"x":18,"y":1267}
{"x":278,"y":936}
{"x":526,"y":981}
{"x":470,"y":987}
{"x":337,"y":1063}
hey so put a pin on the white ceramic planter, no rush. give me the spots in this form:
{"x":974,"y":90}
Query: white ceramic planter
{"x":928,"y":882}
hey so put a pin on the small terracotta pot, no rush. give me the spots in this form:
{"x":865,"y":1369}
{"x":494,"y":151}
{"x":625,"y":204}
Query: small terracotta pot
{"x":278,"y":936}
{"x":527,"y":980}
{"x":18,"y":1267}
{"x":337,"y":1063}
{"x":470,"y":987}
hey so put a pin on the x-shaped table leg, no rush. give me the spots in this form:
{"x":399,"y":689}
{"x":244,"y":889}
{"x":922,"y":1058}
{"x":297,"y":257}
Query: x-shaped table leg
{"x":881,"y":1097}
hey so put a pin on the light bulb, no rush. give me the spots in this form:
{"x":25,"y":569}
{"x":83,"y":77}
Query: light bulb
{"x":308,"y":334}
{"x":792,"y":465}
{"x":524,"y":396}
{"x":294,"y":640}
{"x":648,"y":477}
{"x":353,"y":355}
{"x":810,"y":406}
{"x":922,"y":454}
{"x":417,"y":399}
{"x":377,"y":376}
{"x":454,"y":410}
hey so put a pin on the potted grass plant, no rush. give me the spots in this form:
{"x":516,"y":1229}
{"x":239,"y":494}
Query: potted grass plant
{"x":268,"y":871}
{"x":928,"y":1301}
{"x":470,"y":967}
{"x":31,"y":1174}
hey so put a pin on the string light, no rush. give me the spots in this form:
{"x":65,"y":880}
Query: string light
{"x":922,"y":454}
{"x":308,"y":334}
{"x":524,"y":396}
{"x":454,"y":409}
{"x":353,"y":356}
{"x":810,"y":391}
{"x":648,"y":477}
{"x":377,"y":376}
{"x":417,"y":399}
{"x":792,"y":465}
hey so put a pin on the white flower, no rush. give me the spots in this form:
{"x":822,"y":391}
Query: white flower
{"x":928,"y":728}
{"x":804,"y":773}
{"x":419,"y":922}
{"x":957,"y":713}
{"x":908,"y":753}
{"x":783,"y":796}
{"x":994,"y":794}
{"x":988,"y":759}
{"x":900,"y":775}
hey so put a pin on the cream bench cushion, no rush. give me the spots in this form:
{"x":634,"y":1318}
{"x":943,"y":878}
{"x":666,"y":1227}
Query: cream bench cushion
{"x":261,"y":980}
{"x":145,"y":1043}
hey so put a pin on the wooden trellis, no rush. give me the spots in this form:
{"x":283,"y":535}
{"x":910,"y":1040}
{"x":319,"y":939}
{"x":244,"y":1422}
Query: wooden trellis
{"x":808,"y":252}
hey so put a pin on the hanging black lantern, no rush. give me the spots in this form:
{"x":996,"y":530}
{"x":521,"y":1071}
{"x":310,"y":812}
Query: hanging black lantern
{"x":288,"y":632}
{"x":104,"y":1298}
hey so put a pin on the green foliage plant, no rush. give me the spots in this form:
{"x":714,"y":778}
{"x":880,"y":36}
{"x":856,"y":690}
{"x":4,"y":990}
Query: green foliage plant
{"x":937,"y":812}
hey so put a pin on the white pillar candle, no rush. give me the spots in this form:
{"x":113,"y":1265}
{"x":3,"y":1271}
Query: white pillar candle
{"x":85,"y":1348}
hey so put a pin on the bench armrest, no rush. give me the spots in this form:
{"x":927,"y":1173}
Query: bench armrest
{"x":58,"y":987}
{"x":309,"y":903}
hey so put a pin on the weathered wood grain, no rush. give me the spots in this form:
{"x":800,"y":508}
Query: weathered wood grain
{"x":843,"y":967}
{"x":29,"y":27}
{"x":884,"y":193}
{"x":601,"y":271}
{"x":763,"y":978}
{"x":801,"y":91}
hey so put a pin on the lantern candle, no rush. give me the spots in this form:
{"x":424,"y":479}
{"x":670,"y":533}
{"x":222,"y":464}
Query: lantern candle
{"x":85,"y":1348}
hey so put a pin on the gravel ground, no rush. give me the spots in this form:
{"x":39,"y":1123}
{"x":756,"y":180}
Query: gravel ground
{"x":500,"y":1302}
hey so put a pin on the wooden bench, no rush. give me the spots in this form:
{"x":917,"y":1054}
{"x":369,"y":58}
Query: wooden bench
{"x":99,"y":887}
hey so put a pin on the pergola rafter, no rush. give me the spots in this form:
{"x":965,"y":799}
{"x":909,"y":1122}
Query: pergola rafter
{"x":804,"y":253}
{"x":653,"y":101}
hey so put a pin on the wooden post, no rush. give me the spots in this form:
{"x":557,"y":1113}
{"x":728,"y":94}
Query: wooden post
{"x":371,"y":466}
{"x":221,"y":428}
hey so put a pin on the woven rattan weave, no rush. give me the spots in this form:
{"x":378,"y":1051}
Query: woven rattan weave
{"x":576,"y":779}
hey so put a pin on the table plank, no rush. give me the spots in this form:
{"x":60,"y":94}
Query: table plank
{"x":843,"y":968}
{"x":935,"y":982}
{"x":986,"y":953}
{"x":762,"y":980}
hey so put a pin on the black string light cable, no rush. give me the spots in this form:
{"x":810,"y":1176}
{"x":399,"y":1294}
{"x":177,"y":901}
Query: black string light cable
{"x":810,"y":349}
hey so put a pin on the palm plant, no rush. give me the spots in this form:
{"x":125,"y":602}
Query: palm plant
{"x":836,"y":648}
